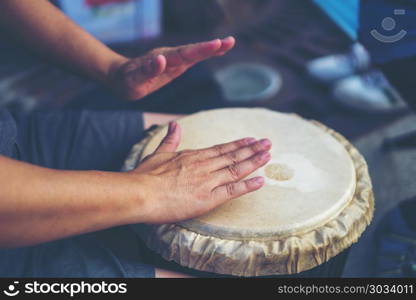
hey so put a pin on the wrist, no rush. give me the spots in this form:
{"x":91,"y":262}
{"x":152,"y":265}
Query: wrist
{"x":138,"y":198}
{"x":109,"y":73}
{"x":120,"y":197}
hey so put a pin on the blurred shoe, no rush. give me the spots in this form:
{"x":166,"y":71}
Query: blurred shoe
{"x":331,"y":68}
{"x":370,"y":92}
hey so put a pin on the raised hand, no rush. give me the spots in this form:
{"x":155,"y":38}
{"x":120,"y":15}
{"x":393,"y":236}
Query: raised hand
{"x":136,"y":78}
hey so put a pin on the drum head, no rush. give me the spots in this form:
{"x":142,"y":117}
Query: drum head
{"x":309,"y":180}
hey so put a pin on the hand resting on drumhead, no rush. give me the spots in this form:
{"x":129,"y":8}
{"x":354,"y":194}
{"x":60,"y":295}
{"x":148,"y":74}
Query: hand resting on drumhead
{"x":39,"y":204}
{"x":185,"y":184}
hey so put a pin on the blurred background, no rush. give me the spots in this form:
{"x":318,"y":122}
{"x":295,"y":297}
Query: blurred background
{"x":297,"y":56}
{"x":276,"y":39}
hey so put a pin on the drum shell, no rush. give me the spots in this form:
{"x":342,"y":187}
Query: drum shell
{"x":333,"y":268}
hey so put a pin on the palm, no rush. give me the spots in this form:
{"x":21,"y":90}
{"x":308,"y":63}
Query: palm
{"x":141,"y":76}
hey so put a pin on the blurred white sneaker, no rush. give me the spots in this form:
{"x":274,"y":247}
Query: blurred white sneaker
{"x":369,"y":92}
{"x":334,"y":67}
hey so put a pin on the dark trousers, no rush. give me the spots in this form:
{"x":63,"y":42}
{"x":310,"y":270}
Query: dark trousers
{"x":79,"y":140}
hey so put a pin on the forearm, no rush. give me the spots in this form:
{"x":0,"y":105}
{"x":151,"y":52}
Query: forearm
{"x":39,"y":204}
{"x":46,"y":30}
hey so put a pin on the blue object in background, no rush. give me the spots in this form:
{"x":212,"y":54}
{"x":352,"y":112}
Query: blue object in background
{"x":343,"y":12}
{"x":116,"y":21}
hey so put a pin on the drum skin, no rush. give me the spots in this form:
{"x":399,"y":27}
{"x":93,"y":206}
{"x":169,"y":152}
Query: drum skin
{"x":301,"y":243}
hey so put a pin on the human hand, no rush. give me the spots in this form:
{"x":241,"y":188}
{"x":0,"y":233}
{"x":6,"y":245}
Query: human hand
{"x":186,"y":184}
{"x":138,"y":77}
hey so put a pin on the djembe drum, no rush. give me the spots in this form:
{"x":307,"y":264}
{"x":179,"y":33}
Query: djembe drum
{"x":316,"y":202}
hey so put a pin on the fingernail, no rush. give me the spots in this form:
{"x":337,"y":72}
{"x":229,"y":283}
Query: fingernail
{"x":214,"y":40}
{"x":265,"y":156}
{"x":259,"y":180}
{"x":249,"y":140}
{"x":265,"y":142}
{"x":172,"y":126}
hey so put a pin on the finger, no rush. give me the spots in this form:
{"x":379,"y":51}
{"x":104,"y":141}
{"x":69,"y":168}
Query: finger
{"x":221,"y":149}
{"x":172,"y":139}
{"x":158,"y":66}
{"x":226,"y":45}
{"x":236,"y":172}
{"x":239,"y":155}
{"x":192,"y":53}
{"x":234,"y":190}
{"x":149,"y":68}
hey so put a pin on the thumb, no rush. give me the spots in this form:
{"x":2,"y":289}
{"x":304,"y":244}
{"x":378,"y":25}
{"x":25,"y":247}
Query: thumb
{"x":149,"y":68}
{"x":172,"y":139}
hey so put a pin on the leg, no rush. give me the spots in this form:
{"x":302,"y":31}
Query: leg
{"x":80,"y":140}
{"x":83,"y":140}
